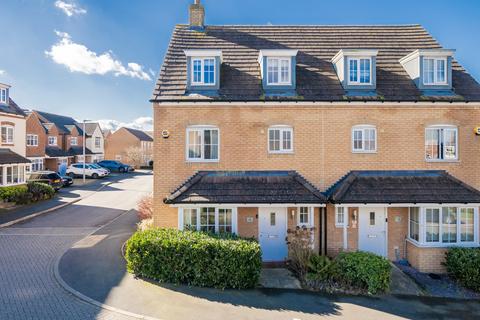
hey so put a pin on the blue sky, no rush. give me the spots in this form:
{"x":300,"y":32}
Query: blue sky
{"x":98,"y":59}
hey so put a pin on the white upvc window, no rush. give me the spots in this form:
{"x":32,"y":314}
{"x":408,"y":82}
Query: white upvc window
{"x":280,"y":139}
{"x":203,"y":71}
{"x":52,"y":140}
{"x":8,"y":133}
{"x":443,"y":226}
{"x":37,"y":164}
{"x":32,"y":140}
{"x":364,"y":139}
{"x":341,"y":217}
{"x":279,"y":71}
{"x":73,"y":141}
{"x":13,"y":174}
{"x":203,"y":144}
{"x":434,"y":71}
{"x":98,"y":142}
{"x":305,"y":217}
{"x":441,"y":143}
{"x":3,"y":95}
{"x":359,"y":70}
{"x":208,"y":219}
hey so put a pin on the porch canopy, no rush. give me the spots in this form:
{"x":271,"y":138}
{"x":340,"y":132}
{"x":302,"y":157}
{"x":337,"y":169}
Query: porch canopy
{"x":401,"y":187}
{"x":7,"y":156}
{"x":246,"y":187}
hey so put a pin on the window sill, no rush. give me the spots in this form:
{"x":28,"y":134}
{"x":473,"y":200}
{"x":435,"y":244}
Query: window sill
{"x":442,"y":161}
{"x":364,"y":152}
{"x":340,"y":226}
{"x":281,"y":152}
{"x":202,"y":161}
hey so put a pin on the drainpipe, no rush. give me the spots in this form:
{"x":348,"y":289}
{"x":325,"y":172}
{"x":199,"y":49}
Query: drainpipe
{"x":345,"y":231}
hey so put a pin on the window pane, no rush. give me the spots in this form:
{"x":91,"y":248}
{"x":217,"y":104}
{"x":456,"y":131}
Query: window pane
{"x":211,"y":144}
{"x":287,"y":140}
{"x":353,"y":70}
{"x":340,"y":215}
{"x":209,"y":71}
{"x":225,"y":220}
{"x":272,"y":70}
{"x":440,"y":70}
{"x":450,"y":143}
{"x":274,"y":139}
{"x":304,"y":215}
{"x":428,"y":71}
{"x":370,"y":140}
{"x":194,"y":144}
{"x":358,"y":140}
{"x":449,"y":225}
{"x":197,"y":71}
{"x":432,"y":144}
{"x":432,"y":225}
{"x":207,"y":219}
{"x":372,"y":218}
{"x":272,"y":218}
{"x":285,"y":71}
{"x":190,"y":219}
{"x":364,"y":70}
{"x":467,"y":224}
{"x":414,"y":223}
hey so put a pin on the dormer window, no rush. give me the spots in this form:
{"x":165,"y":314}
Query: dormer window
{"x":3,"y":95}
{"x":203,"y":69}
{"x":359,"y":70}
{"x":279,"y":71}
{"x":434,"y":71}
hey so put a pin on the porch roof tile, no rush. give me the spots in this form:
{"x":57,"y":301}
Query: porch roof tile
{"x":243,"y":187}
{"x":400,"y":186}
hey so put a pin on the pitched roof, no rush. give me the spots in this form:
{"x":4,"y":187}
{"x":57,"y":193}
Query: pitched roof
{"x":429,"y":186}
{"x":316,"y":76}
{"x":89,"y":127}
{"x":246,"y":187}
{"x":141,"y":135}
{"x":7,"y":156}
{"x":12,"y":108}
{"x":63,"y":123}
{"x":55,"y":152}
{"x":78,"y":151}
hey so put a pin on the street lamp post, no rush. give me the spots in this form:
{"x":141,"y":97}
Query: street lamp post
{"x":84,"y":142}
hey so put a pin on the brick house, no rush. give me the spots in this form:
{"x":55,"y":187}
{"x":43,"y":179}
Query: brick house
{"x":118,"y":143}
{"x":14,"y":166}
{"x":54,"y":139}
{"x":368,"y":134}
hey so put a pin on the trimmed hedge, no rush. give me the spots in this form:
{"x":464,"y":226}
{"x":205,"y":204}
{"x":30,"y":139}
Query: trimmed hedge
{"x":40,"y":191}
{"x":23,"y":194}
{"x":364,"y":270}
{"x":14,"y":193}
{"x":194,"y":258}
{"x":463,"y":264}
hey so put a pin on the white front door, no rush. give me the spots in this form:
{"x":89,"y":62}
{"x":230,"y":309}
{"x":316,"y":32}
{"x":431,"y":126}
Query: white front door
{"x":272,"y":229}
{"x":372,"y":232}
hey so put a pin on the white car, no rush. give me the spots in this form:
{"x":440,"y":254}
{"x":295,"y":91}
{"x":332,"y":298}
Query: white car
{"x":91,"y":170}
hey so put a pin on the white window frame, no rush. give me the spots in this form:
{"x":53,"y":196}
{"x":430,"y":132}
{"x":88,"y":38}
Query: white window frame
{"x":282,"y":129}
{"x":443,"y":129}
{"x":54,"y":138}
{"x":358,"y":83}
{"x":21,"y":178}
{"x":279,"y":60}
{"x":202,"y":67}
{"x":3,"y":93}
{"x":309,"y":213}
{"x":9,"y":134}
{"x":37,"y":163}
{"x":99,"y":144}
{"x":341,"y":211}
{"x":217,"y":209}
{"x":435,"y":71}
{"x":72,"y":139}
{"x":201,"y":129}
{"x":363,"y":129}
{"x":422,"y":228}
{"x":32,"y":140}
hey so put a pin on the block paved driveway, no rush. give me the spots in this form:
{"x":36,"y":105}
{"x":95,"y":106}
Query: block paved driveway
{"x":29,"y":251}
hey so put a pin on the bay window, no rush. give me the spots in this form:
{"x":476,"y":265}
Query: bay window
{"x":208,"y":219}
{"x":443,"y":226}
{"x":441,"y":143}
{"x":203,"y":144}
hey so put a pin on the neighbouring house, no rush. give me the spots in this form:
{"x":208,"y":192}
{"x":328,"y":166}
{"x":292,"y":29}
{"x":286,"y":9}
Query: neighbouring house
{"x":127,"y":143}
{"x":53,"y":140}
{"x":368,"y":134}
{"x":94,"y":141}
{"x":14,"y":166}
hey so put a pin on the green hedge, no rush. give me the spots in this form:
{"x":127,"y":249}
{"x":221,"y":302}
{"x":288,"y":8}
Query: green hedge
{"x":194,"y":258}
{"x":364,"y":270}
{"x":463,"y":264}
{"x":40,"y":191}
{"x":14,"y":193}
{"x":23,"y":194}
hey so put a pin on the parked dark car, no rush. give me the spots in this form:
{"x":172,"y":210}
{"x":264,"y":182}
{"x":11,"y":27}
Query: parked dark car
{"x":49,"y":177}
{"x":67,"y":181}
{"x":115,"y":166}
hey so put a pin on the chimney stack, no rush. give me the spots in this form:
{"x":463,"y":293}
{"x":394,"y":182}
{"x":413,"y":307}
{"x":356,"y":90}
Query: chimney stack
{"x":197,"y":15}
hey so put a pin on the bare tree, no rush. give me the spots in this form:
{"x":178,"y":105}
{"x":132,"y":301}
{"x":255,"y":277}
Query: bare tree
{"x":135,"y":156}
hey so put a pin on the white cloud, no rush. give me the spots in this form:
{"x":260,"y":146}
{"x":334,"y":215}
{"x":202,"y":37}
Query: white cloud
{"x":2,"y":72}
{"x":78,"y":58}
{"x":142,"y":123}
{"x":69,"y":8}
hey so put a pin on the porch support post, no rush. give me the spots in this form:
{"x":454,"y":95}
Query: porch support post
{"x":345,"y":231}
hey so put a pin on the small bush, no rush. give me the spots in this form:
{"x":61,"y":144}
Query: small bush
{"x":320,"y":268}
{"x":463,"y":264}
{"x":300,"y":249}
{"x":15,"y":194}
{"x":145,"y":207}
{"x":194,"y":258}
{"x":364,"y":270}
{"x":40,"y":191}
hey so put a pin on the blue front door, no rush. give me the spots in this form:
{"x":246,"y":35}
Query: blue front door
{"x":272,"y":227}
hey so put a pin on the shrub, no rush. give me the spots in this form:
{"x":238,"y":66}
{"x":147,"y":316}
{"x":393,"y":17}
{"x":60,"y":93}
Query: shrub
{"x":194,"y":258}
{"x":14,"y":193}
{"x":320,"y":268}
{"x":364,"y":270}
{"x":300,"y":250}
{"x":145,"y":207}
{"x":463,"y":264}
{"x":40,"y":191}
